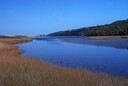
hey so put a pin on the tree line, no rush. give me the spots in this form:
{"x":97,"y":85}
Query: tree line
{"x":115,"y":28}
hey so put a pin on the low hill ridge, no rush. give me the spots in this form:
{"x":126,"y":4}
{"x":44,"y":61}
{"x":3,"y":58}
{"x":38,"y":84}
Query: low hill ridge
{"x":116,"y":28}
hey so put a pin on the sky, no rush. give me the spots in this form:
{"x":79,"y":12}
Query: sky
{"x":19,"y":17}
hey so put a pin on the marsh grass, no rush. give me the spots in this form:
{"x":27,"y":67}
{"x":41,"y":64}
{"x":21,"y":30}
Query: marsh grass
{"x":19,"y":51}
{"x":17,"y":70}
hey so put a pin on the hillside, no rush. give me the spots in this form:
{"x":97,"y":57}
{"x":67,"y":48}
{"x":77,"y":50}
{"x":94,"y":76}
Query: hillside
{"x":113,"y":29}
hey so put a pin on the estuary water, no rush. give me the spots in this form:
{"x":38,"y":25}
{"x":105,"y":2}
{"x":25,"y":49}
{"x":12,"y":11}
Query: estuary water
{"x":109,"y":56}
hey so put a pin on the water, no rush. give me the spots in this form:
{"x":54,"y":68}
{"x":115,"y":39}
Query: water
{"x":101,"y":58}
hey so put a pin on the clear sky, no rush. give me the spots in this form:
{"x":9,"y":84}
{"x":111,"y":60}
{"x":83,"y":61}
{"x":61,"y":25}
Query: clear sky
{"x":46,"y":16}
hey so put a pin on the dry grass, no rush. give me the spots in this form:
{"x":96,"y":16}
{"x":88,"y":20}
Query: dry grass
{"x":15,"y":40}
{"x":108,"y":37}
{"x":16,"y":70}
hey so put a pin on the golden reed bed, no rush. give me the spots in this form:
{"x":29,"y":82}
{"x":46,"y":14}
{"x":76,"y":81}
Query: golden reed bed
{"x":17,"y":70}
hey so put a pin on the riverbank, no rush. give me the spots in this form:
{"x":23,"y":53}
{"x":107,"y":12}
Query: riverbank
{"x":17,"y":70}
{"x":108,"y":37}
{"x":116,"y":43}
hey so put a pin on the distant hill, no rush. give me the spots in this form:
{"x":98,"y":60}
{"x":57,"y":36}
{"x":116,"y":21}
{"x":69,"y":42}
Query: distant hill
{"x":16,"y":36}
{"x":115,"y":28}
{"x":2,"y":36}
{"x":20,"y":36}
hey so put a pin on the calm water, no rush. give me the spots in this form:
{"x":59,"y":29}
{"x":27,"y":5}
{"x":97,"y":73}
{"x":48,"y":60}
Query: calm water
{"x":107,"y":59}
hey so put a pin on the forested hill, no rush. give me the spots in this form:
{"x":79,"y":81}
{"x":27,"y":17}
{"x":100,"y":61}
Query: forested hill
{"x":115,"y":28}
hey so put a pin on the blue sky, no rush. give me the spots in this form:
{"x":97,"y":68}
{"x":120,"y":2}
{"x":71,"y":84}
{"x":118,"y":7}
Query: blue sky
{"x":46,"y":16}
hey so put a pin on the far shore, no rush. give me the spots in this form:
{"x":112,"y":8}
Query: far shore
{"x":18,"y":70}
{"x":110,"y":41}
{"x":108,"y":37}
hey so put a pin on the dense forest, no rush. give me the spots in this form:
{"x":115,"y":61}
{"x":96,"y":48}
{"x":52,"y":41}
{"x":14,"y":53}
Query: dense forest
{"x":115,"y":28}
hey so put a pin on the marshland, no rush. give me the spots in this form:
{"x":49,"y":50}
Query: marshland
{"x":18,"y":70}
{"x":63,"y":43}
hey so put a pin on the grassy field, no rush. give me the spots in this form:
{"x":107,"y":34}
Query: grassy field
{"x":17,"y":70}
{"x":108,"y":37}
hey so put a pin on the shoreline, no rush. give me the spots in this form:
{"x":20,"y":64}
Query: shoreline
{"x":15,"y":68}
{"x":108,"y":37}
{"x":115,"y":43}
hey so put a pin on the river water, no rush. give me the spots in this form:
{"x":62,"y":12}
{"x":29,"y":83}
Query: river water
{"x":109,"y":56}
